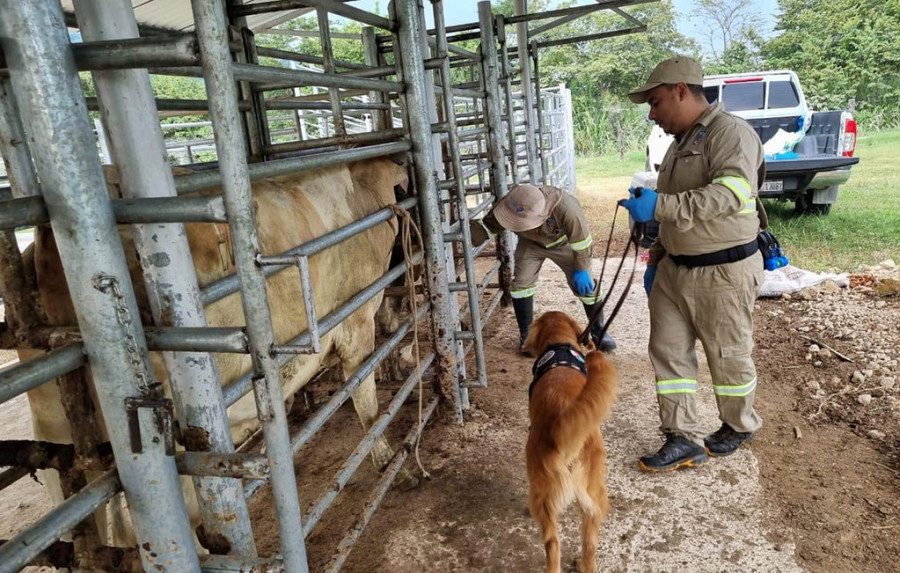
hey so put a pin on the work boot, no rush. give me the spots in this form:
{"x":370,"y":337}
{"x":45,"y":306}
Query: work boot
{"x":725,"y":441}
{"x":524,"y":310}
{"x":677,"y":452}
{"x":605,"y":344}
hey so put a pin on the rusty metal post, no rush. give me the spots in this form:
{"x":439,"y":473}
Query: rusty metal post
{"x":495,"y":134}
{"x":410,"y":35}
{"x":132,"y":124}
{"x":44,"y":77}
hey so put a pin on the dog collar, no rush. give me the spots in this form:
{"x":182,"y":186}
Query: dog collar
{"x":553,"y":356}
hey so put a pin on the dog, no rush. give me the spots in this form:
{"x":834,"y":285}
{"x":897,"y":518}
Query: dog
{"x":564,"y":455}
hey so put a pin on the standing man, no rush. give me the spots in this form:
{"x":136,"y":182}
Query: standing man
{"x":550,"y":225}
{"x":705,"y":268}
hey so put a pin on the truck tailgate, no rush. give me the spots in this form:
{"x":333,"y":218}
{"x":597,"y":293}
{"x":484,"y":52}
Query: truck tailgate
{"x":807,"y":164}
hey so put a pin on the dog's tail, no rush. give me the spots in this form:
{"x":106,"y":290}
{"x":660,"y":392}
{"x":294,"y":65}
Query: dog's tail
{"x":582,"y":417}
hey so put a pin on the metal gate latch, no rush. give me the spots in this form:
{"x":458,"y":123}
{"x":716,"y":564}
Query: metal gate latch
{"x":162,"y":411}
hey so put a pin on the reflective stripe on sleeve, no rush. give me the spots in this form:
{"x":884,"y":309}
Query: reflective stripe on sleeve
{"x":741,"y":188}
{"x":557,"y":242}
{"x":676,"y":386}
{"x":729,"y":390}
{"x":582,"y":245}
{"x":524,"y":293}
{"x":490,"y":234}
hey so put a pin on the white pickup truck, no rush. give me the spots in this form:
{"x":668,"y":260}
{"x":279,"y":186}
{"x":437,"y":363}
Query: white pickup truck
{"x":819,"y":162}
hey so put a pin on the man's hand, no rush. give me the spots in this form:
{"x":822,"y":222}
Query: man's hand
{"x":582,"y":282}
{"x":649,"y":275}
{"x":642,"y":204}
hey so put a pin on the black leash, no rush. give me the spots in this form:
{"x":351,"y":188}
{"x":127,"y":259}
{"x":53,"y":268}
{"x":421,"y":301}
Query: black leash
{"x":634,"y":238}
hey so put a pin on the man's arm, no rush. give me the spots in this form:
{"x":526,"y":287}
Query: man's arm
{"x":576,"y":229}
{"x":484,"y":229}
{"x":734,"y":156}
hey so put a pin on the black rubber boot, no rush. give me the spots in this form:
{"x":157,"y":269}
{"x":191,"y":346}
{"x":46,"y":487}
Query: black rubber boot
{"x":524,"y":309}
{"x":608,"y":343}
{"x":725,"y":441}
{"x":677,"y":452}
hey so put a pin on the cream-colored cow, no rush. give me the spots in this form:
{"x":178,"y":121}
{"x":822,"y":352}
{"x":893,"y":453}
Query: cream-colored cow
{"x":291,"y":210}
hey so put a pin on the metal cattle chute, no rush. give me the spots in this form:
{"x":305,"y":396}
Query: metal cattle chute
{"x":468,"y":120}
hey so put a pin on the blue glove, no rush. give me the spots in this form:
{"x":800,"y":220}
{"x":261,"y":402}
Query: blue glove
{"x":582,"y":282}
{"x":642,"y":204}
{"x":649,"y":275}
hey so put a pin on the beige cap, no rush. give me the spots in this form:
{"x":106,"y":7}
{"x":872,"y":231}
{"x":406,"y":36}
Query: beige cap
{"x":524,"y":207}
{"x":677,"y":70}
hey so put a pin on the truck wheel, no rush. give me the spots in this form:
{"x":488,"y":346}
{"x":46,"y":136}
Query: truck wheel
{"x":804,"y":205}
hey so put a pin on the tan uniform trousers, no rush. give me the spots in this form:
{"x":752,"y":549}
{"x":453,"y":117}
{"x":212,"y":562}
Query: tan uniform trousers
{"x":714,"y":304}
{"x":530,"y":258}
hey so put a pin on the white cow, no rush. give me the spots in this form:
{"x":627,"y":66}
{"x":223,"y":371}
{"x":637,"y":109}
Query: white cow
{"x":291,"y":210}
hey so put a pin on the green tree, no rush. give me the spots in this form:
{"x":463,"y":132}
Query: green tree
{"x":842,"y":49}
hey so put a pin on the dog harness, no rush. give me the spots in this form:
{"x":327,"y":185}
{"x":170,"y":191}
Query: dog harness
{"x":556,"y":355}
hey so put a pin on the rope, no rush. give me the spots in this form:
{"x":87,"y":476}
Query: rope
{"x":407,"y":226}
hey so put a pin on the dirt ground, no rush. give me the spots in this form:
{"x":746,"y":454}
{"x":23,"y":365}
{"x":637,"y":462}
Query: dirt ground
{"x":824,"y":501}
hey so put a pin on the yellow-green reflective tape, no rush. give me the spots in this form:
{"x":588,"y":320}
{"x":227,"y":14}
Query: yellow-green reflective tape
{"x":742,"y":390}
{"x":590,"y":299}
{"x":485,"y":227}
{"x":676,"y":386}
{"x":523,"y":293}
{"x":558,"y":241}
{"x":582,"y":245}
{"x":751,"y":207}
{"x":738,"y":185}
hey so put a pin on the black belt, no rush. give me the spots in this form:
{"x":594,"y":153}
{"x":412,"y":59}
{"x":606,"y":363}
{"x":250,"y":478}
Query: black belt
{"x":732,"y":255}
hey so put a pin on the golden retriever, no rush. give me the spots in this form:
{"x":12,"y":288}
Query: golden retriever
{"x":564,"y":455}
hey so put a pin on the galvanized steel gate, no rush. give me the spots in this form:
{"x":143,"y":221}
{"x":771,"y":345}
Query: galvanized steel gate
{"x":463,"y":139}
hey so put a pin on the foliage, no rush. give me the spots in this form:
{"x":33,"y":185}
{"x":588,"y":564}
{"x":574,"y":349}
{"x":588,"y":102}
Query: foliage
{"x":726,"y":22}
{"x":842,"y":49}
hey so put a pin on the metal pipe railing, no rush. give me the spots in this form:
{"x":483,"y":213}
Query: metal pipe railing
{"x":370,"y":137}
{"x":315,"y":422}
{"x":24,"y":376}
{"x":229,"y":284}
{"x":349,"y":467}
{"x":213,"y":178}
{"x":21,"y":549}
{"x":338,"y":8}
{"x":220,"y":76}
{"x":272,"y":78}
{"x":381,"y":488}
{"x":43,"y":75}
{"x":284,"y":353}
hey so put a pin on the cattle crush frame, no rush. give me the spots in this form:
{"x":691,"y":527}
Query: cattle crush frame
{"x":464,"y":143}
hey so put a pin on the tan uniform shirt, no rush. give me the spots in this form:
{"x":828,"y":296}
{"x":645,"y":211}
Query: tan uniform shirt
{"x":566,"y":225}
{"x":708,"y":184}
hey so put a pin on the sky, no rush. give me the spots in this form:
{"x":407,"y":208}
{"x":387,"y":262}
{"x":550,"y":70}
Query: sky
{"x":465,"y":11}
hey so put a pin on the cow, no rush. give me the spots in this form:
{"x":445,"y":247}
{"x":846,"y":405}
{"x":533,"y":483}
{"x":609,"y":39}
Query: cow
{"x":291,"y":210}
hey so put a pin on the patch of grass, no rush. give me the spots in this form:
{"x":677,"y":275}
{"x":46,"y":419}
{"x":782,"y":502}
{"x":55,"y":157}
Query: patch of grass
{"x":863,"y":227}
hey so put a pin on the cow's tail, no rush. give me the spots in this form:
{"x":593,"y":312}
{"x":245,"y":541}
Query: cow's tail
{"x":585,"y":413}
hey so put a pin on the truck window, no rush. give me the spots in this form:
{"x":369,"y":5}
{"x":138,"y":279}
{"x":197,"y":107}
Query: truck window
{"x":783,"y":94}
{"x":711,"y":93}
{"x":744,"y":96}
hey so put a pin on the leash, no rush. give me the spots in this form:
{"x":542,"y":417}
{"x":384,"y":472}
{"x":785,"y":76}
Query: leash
{"x":634,"y":238}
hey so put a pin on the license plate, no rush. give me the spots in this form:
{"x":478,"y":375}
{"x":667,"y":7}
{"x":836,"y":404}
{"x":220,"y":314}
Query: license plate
{"x":772,"y":186}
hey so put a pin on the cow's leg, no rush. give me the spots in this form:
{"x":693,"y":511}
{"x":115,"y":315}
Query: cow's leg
{"x":354,"y":345}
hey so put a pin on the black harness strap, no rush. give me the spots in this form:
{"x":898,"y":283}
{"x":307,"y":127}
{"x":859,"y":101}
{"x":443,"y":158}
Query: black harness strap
{"x":556,"y":355}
